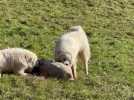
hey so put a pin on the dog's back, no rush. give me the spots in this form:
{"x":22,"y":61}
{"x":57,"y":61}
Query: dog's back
{"x":74,"y":36}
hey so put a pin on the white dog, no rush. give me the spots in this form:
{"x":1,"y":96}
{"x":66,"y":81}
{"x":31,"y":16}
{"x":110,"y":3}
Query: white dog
{"x":16,"y":60}
{"x":72,"y":46}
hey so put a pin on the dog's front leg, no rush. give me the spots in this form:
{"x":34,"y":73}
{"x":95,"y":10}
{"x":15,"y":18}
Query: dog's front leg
{"x":74,"y":71}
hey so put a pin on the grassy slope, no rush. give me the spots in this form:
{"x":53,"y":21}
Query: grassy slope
{"x":35,"y":25}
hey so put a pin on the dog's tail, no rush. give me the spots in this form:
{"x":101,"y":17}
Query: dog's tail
{"x":77,"y":28}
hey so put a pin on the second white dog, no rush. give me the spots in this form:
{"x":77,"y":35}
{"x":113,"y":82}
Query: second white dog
{"x":71,"y":46}
{"x":16,"y":60}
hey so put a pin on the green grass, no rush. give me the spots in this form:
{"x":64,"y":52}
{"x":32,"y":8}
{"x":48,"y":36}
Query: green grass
{"x":36,"y":24}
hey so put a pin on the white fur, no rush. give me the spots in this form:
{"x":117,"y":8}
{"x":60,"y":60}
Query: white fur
{"x":16,"y":60}
{"x":71,"y":46}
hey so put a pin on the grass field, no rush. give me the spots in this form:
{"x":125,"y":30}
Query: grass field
{"x":36,"y":24}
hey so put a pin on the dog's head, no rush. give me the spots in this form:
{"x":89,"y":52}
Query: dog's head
{"x":65,"y":72}
{"x":64,"y":58}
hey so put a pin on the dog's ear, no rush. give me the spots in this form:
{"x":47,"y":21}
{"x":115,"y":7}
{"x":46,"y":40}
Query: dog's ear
{"x":76,"y":28}
{"x":35,"y":70}
{"x":40,"y":61}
